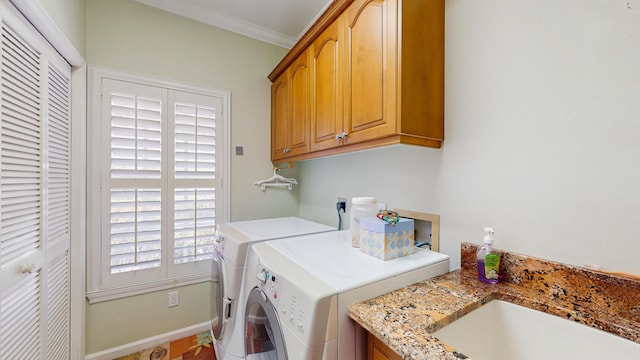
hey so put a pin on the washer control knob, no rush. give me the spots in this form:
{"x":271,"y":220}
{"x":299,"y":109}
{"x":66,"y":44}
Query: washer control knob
{"x":263,"y":275}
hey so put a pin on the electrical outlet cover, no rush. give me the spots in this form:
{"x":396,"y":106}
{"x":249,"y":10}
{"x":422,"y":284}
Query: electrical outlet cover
{"x":173,"y":299}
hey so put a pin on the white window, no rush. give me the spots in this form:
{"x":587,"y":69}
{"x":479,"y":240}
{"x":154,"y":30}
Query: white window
{"x":158,"y":156}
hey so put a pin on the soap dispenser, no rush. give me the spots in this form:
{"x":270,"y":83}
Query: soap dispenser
{"x":488,"y":259}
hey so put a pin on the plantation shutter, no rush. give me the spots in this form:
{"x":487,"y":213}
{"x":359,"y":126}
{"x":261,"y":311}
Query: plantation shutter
{"x":136,"y":136}
{"x":133,"y":116}
{"x":195,"y":141}
{"x":194,"y":119}
{"x":160,"y":196}
{"x":194,"y":224}
{"x":34,"y":195}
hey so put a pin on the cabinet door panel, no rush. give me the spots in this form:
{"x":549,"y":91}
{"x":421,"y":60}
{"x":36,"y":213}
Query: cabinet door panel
{"x":370,"y":70}
{"x":290,"y":113}
{"x":365,"y":72}
{"x":279,"y":111}
{"x":298,"y":128}
{"x":327,"y":88}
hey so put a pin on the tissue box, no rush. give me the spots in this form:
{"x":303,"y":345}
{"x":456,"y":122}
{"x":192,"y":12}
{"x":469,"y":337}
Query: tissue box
{"x":380,"y":239}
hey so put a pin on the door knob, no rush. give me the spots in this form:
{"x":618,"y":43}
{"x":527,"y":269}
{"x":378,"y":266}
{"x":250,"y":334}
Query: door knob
{"x":27,"y":268}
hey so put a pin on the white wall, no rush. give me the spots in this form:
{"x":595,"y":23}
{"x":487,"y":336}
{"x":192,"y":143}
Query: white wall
{"x":542,"y":124}
{"x":129,"y":36}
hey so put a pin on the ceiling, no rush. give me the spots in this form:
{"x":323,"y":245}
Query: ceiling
{"x":279,"y":22}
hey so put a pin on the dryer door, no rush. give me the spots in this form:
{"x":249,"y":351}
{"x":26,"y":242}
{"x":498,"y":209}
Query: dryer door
{"x":263,"y":336}
{"x":223,"y":305}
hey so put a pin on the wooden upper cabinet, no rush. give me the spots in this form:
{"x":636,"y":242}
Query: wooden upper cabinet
{"x":420,"y":51}
{"x":326,"y":95}
{"x":290,"y":110}
{"x":369,"y":70}
{"x":376,"y":77}
{"x":279,"y":113}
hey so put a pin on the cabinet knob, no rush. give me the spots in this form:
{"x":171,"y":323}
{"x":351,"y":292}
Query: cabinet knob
{"x":286,"y":150}
{"x":342,"y":135}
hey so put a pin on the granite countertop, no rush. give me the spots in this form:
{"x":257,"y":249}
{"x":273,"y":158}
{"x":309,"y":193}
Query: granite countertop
{"x":404,"y":319}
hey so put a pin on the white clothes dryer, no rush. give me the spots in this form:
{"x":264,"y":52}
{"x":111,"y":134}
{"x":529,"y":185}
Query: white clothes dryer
{"x":296,"y":293}
{"x":232,"y":241}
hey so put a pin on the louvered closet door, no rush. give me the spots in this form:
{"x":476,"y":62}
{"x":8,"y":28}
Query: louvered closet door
{"x":34,"y":195}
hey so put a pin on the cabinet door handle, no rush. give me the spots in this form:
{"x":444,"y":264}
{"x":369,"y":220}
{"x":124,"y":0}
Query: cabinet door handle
{"x":342,"y":135}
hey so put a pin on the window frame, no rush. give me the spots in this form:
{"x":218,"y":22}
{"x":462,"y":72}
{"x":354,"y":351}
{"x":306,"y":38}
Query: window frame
{"x":99,"y":287}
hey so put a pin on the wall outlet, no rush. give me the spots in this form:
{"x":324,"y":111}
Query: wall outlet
{"x":174,"y":300}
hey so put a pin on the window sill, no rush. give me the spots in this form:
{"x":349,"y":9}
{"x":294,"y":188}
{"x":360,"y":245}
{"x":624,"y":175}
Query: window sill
{"x":98,"y":296}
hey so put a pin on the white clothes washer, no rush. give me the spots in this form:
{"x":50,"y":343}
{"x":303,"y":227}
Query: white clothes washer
{"x":296,"y":293}
{"x":278,"y":296}
{"x":232,"y":241}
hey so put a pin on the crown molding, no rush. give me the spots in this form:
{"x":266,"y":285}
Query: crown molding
{"x":42,"y":21}
{"x":223,"y":21}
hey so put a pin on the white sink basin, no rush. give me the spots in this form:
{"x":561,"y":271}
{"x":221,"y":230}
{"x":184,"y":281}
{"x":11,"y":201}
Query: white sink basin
{"x":500,"y":330}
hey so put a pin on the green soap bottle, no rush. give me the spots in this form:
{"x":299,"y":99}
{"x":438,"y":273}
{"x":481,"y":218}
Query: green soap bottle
{"x":488,"y":260}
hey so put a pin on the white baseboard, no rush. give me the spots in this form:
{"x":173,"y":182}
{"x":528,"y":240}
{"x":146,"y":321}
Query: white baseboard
{"x":147,"y":343}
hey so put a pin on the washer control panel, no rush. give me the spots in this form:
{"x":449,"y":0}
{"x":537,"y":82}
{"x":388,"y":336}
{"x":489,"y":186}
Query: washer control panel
{"x":304,"y":303}
{"x":270,"y":283}
{"x":289,"y":302}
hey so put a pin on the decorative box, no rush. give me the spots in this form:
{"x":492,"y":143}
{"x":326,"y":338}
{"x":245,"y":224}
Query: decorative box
{"x":380,"y":239}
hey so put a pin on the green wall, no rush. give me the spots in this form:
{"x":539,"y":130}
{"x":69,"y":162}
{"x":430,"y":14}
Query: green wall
{"x":119,"y":322}
{"x":126,"y":35}
{"x":129,"y":36}
{"x":70,"y":17}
